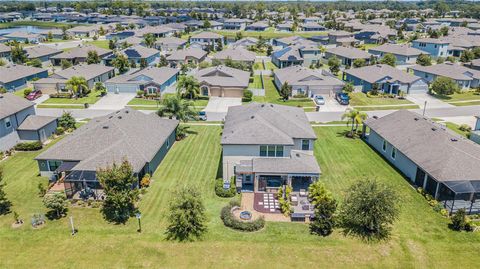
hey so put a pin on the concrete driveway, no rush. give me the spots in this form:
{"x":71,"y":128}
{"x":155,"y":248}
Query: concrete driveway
{"x":221,"y":104}
{"x":432,"y":102}
{"x":331,"y":105}
{"x":113,"y":101}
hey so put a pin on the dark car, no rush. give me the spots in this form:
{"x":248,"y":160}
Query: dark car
{"x":202,"y":115}
{"x":34,"y":95}
{"x":342,"y":98}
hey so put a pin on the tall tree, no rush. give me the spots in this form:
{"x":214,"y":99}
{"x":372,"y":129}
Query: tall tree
{"x":285,"y":91}
{"x":18,"y":55}
{"x":389,"y":59}
{"x":5,"y":204}
{"x":355,"y":118}
{"x":325,"y":207}
{"x":188,"y":86}
{"x":149,"y":40}
{"x":424,"y":60}
{"x":334,"y":65}
{"x":163,"y":61}
{"x":174,"y":106}
{"x":65,"y":64}
{"x":121,"y":63}
{"x":77,"y":85}
{"x":92,"y":57}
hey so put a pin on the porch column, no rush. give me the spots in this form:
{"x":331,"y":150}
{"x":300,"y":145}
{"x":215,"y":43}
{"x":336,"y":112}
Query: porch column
{"x":425,"y":181}
{"x":289,"y":181}
{"x":436,"y":190}
{"x":255,"y":183}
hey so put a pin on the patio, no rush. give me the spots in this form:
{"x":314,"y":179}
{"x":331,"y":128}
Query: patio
{"x":266,"y":203}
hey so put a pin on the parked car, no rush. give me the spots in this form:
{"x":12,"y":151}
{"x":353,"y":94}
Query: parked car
{"x":34,"y":95}
{"x":319,"y":100}
{"x":202,"y":115}
{"x":342,"y":98}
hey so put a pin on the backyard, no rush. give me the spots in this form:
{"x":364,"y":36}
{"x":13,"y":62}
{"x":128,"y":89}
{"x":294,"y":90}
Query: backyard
{"x":420,"y":237}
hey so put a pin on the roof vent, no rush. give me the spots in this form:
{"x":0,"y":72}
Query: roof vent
{"x":252,"y":117}
{"x":263,"y":105}
{"x":271,"y":105}
{"x":453,"y":139}
{"x":105,"y":127}
{"x":434,"y":128}
{"x":110,"y":117}
{"x":375,"y":117}
{"x":298,"y":155}
{"x":126,"y":111}
{"x":416,"y":119}
{"x":119,"y":117}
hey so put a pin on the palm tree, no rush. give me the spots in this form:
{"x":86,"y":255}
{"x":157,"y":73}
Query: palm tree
{"x":355,"y":117}
{"x":188,"y":86}
{"x":77,"y":85}
{"x":174,"y":106}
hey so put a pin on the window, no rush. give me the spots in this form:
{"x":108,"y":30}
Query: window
{"x":151,"y":90}
{"x":279,"y":151}
{"x":53,"y":165}
{"x":305,"y":144}
{"x":8,"y":124}
{"x":204,"y":90}
{"x":271,"y":151}
{"x":168,"y":143}
{"x":263,"y":151}
{"x":394,"y":153}
{"x":384,"y":146}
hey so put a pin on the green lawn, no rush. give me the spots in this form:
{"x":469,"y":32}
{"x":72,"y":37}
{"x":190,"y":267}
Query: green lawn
{"x":456,"y":128}
{"x":420,"y":238}
{"x":462,"y":96}
{"x":361,"y":99}
{"x":469,"y":103}
{"x":99,"y":43}
{"x":272,"y":96}
{"x":257,"y":82}
{"x":373,"y":108}
{"x":270,"y":66}
{"x":258,"y":66}
{"x":91,"y":98}
{"x":20,"y":92}
{"x":41,"y":24}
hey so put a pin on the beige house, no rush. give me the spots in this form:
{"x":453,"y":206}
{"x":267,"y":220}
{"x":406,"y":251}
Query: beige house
{"x":222,"y":81}
{"x":186,"y":56}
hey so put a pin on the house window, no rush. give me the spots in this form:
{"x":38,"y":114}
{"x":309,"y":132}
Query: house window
{"x":394,"y":153}
{"x":271,"y":151}
{"x":168,"y":143}
{"x":204,"y":90}
{"x":151,"y":90}
{"x":305,"y":144}
{"x":263,"y":151}
{"x":384,"y":146}
{"x":279,"y":151}
{"x":53,"y":165}
{"x":8,"y":124}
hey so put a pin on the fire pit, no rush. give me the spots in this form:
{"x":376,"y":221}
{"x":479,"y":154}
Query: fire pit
{"x":245,"y":215}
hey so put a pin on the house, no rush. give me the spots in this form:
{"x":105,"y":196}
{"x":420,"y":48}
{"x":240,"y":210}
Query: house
{"x":43,"y":53}
{"x":236,"y":54}
{"x":56,"y":33}
{"x":79,"y":54}
{"x":235,"y":24}
{"x":143,"y":140}
{"x":388,"y":79}
{"x":258,"y":26}
{"x":267,"y":146}
{"x":433,"y":46}
{"x":135,"y":55}
{"x":347,"y":55}
{"x":312,"y":27}
{"x":84,"y":31}
{"x":92,"y":73}
{"x":306,"y":81}
{"x":18,"y":122}
{"x":284,"y":27}
{"x":14,"y":77}
{"x":244,"y":42}
{"x":186,"y":56}
{"x":374,"y":34}
{"x":475,"y":133}
{"x":305,"y":55}
{"x":169,"y":44}
{"x":335,"y":36}
{"x":5,"y":51}
{"x":430,"y":156}
{"x":292,"y":40}
{"x":404,"y":53}
{"x":222,"y":81}
{"x":25,"y":37}
{"x":206,"y":39}
{"x":465,"y":77}
{"x":151,"y":80}
{"x":156,"y":31}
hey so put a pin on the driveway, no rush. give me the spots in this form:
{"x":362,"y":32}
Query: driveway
{"x":221,"y":104}
{"x":432,"y":102}
{"x":331,"y":105}
{"x":41,"y":99}
{"x":113,"y":101}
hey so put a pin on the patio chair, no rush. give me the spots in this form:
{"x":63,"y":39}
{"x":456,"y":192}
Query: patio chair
{"x":294,"y":199}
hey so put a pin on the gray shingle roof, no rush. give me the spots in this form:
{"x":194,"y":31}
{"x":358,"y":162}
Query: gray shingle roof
{"x":449,"y":70}
{"x":299,"y":162}
{"x":300,"y":75}
{"x":404,"y":50}
{"x":156,"y":74}
{"x":4,"y":48}
{"x":11,"y":104}
{"x":126,"y":133}
{"x":181,"y":55}
{"x":171,"y":41}
{"x":14,"y":72}
{"x":441,"y":153}
{"x":223,"y":76}
{"x":35,"y":122}
{"x":236,"y":54}
{"x":350,"y":53}
{"x":374,"y":73}
{"x":81,"y":52}
{"x":40,"y":51}
{"x":265,"y":124}
{"x":207,"y":35}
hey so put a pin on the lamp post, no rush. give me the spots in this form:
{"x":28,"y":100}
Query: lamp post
{"x":139,"y":216}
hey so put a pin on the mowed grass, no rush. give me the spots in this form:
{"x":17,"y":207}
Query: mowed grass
{"x":272,"y":96}
{"x":461,"y":96}
{"x":91,"y":98}
{"x":99,"y":43}
{"x":40,"y":24}
{"x":420,"y":238}
{"x":256,"y":83}
{"x":361,"y":99}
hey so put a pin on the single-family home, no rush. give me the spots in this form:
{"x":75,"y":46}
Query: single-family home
{"x":335,"y":36}
{"x":151,"y":80}
{"x":186,"y":56}
{"x":14,"y":77}
{"x":135,"y":55}
{"x":235,"y":24}
{"x":284,"y":27}
{"x":84,"y":31}
{"x":306,"y":81}
{"x":55,"y":33}
{"x":266,"y":147}
{"x":430,"y":156}
{"x":405,"y":54}
{"x":244,"y":42}
{"x":305,"y":55}
{"x":79,"y":54}
{"x":388,"y":79}
{"x":92,"y":73}
{"x":257,"y":26}
{"x":433,"y":46}
{"x":207,"y":39}
{"x":43,"y":53}
{"x":292,"y":40}
{"x":347,"y":55}
{"x":18,"y":122}
{"x":465,"y":77}
{"x":312,"y":27}
{"x":25,"y":37}
{"x":222,"y":81}
{"x":142,"y":140}
{"x":236,"y":54}
{"x":169,"y":44}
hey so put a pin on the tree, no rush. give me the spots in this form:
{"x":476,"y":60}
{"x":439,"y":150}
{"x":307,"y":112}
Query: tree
{"x":121,"y":63}
{"x":187,"y":217}
{"x":174,"y":106}
{"x":348,"y":87}
{"x":207,"y":24}
{"x":269,"y":50}
{"x":2,"y":62}
{"x":424,"y":60}
{"x":325,"y":207}
{"x":355,"y":118}
{"x":49,"y":35}
{"x":334,"y":64}
{"x":188,"y":86}
{"x":467,"y":56}
{"x":65,"y":64}
{"x":18,"y":55}
{"x":389,"y":59}
{"x":111,"y":44}
{"x":121,"y":192}
{"x":444,"y":30}
{"x":476,"y":52}
{"x":101,"y":31}
{"x":92,"y":57}
{"x":35,"y":63}
{"x":5,"y":204}
{"x":369,"y":209}
{"x":359,"y":63}
{"x":163,"y":61}
{"x":285,"y":91}
{"x":238,"y":36}
{"x":149,"y":40}
{"x":143,"y":63}
{"x":64,"y":33}
{"x":99,"y":87}
{"x":444,"y":86}
{"x":57,"y":203}
{"x":67,"y":121}
{"x":460,"y":221}
{"x":77,"y":85}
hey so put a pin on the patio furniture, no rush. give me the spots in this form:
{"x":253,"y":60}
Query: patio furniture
{"x":303,"y":193}
{"x":294,"y":199}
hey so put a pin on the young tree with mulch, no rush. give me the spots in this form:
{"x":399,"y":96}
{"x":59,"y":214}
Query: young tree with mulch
{"x":5,"y":204}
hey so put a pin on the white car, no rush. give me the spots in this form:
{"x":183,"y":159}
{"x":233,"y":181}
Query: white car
{"x":319,"y":100}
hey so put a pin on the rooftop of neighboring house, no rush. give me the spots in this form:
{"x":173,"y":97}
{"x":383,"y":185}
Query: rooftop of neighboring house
{"x":375,"y":73}
{"x":236,"y":54}
{"x":450,"y":70}
{"x":84,"y":28}
{"x":293,"y":52}
{"x":431,"y":41}
{"x":35,"y":122}
{"x":300,"y":75}
{"x":245,"y":40}
{"x":81,"y":52}
{"x":21,"y":34}
{"x":11,"y":104}
{"x":434,"y":148}
{"x":294,"y":40}
{"x":349,"y":52}
{"x":14,"y":72}
{"x":158,"y":75}
{"x":340,"y":33}
{"x":223,"y":76}
{"x":87,"y":71}
{"x":265,"y":124}
{"x":136,"y":52}
{"x":207,"y":35}
{"x":404,"y":50}
{"x":40,"y":51}
{"x":4,"y":48}
{"x":160,"y":29}
{"x":259,"y":24}
{"x":124,"y":134}
{"x":180,"y":55}
{"x":171,"y":41}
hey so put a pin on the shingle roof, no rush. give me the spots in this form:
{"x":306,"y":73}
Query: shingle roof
{"x":35,"y":122}
{"x":40,"y":51}
{"x":431,"y":41}
{"x":236,"y":54}
{"x":265,"y":124}
{"x":4,"y":48}
{"x":11,"y":104}
{"x":441,"y":153}
{"x":126,"y":133}
{"x":300,"y":75}
{"x":156,"y":74}
{"x":299,"y":162}
{"x":374,"y":73}
{"x":81,"y":52}
{"x":14,"y":72}
{"x":171,"y":41}
{"x":403,"y":49}
{"x":88,"y":71}
{"x":207,"y":35}
{"x":449,"y":70}
{"x":223,"y":76}
{"x":348,"y":52}
{"x":181,"y":55}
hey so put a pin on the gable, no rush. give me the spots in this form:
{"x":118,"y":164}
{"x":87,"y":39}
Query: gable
{"x":141,"y":78}
{"x":217,"y":73}
{"x":310,"y":78}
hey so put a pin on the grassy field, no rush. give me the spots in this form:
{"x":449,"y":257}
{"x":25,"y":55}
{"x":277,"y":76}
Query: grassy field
{"x":270,"y":33}
{"x":374,"y":108}
{"x":257,"y":83}
{"x":420,"y":238}
{"x":258,"y":66}
{"x":91,"y":98}
{"x":361,"y":99}
{"x":462,"y":96}
{"x":270,"y":66}
{"x":272,"y":96}
{"x":469,"y":103}
{"x":99,"y":43}
{"x":40,"y":24}
{"x":60,"y":106}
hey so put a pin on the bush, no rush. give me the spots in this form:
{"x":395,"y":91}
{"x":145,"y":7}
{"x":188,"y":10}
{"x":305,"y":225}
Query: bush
{"x":145,"y":182}
{"x":140,"y":93}
{"x":465,"y":128}
{"x":221,"y":192}
{"x":230,"y":221}
{"x":60,"y":130}
{"x":300,"y":95}
{"x":61,"y":95}
{"x":460,"y":221}
{"x":26,"y":92}
{"x":29,"y":146}
{"x":247,"y":95}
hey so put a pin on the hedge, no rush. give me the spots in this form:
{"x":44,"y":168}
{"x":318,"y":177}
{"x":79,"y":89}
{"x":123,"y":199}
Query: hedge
{"x":230,"y":221}
{"x":220,"y":191}
{"x":29,"y":146}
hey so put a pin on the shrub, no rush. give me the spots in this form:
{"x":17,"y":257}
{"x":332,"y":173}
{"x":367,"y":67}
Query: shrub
{"x":300,"y":95}
{"x":230,"y":221}
{"x":247,"y":95}
{"x":444,"y":212}
{"x":26,"y":92}
{"x":221,"y":192}
{"x":60,"y":130}
{"x":460,"y":221}
{"x":61,"y":95}
{"x":437,"y":207}
{"x":29,"y":146}
{"x":145,"y":182}
{"x":140,"y":93}
{"x":465,"y":128}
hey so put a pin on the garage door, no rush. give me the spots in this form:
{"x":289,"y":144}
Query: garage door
{"x":418,"y":87}
{"x":234,"y":93}
{"x":215,"y":92}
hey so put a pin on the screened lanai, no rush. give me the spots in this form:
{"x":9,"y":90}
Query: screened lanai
{"x":460,"y":194}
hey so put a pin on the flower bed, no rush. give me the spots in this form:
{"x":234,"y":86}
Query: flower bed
{"x":243,"y":225}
